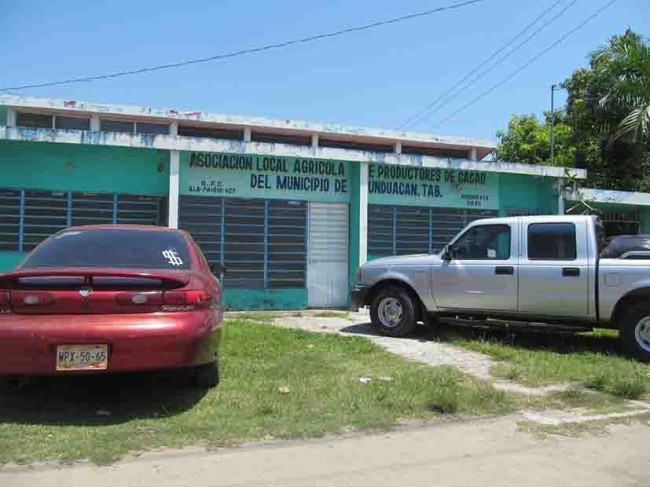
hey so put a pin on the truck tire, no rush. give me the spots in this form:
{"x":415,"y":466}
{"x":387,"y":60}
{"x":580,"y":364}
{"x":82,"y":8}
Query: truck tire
{"x":392,"y":312}
{"x":635,"y":332}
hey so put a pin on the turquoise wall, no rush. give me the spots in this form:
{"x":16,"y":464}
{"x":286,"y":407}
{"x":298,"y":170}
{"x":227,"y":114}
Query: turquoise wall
{"x":254,"y":299}
{"x":83,"y":168}
{"x":353,"y":235}
{"x":3,"y":115}
{"x":80,"y":168}
{"x":9,"y":260}
{"x":534,"y":193}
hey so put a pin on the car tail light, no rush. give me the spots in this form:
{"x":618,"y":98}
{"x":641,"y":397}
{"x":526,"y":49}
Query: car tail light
{"x":36,"y":298}
{"x":139,"y":298}
{"x":186,"y":300}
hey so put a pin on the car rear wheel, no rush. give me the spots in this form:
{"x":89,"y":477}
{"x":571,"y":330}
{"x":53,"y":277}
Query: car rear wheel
{"x":206,"y":375}
{"x":392,"y":312}
{"x":635,"y":332}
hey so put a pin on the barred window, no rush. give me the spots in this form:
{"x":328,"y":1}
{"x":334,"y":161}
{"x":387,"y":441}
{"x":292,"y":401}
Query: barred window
{"x":29,"y":216}
{"x":286,"y":244}
{"x":46,"y":212}
{"x":203,"y":218}
{"x":399,"y":230}
{"x":9,"y":219}
{"x":244,"y":252}
{"x":262,"y":243}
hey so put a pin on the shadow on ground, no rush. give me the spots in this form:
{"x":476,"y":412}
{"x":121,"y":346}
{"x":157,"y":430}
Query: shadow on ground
{"x":97,"y":400}
{"x":559,"y":342}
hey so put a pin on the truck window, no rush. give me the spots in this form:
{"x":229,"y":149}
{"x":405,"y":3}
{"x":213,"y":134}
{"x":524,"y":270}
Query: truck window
{"x":551,"y":241}
{"x":483,"y":242}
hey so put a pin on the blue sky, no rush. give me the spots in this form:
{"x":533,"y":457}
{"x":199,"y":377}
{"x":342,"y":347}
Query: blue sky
{"x":375,"y":78}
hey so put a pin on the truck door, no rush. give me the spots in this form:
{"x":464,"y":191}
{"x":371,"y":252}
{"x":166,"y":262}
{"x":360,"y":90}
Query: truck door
{"x":482,"y":271}
{"x":553,"y":269}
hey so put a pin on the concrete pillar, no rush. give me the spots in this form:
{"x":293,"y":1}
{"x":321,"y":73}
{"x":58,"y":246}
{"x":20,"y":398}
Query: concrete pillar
{"x":314,"y":140}
{"x":173,"y":128}
{"x":363,"y":213}
{"x":174,"y":187}
{"x":95,"y":125}
{"x":560,"y":197}
{"x":11,"y":117}
{"x":247,"y":134}
{"x":398,"y":148}
{"x":471,"y":154}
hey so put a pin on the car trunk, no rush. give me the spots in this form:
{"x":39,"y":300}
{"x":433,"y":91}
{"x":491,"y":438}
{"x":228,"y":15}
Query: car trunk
{"x":91,"y":291}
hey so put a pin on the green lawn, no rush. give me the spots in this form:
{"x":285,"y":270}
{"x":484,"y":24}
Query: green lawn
{"x":591,"y":360}
{"x":276,"y":383}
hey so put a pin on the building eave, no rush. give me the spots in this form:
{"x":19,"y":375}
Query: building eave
{"x":360,"y":134}
{"x":171,"y":142}
{"x":594,"y":195}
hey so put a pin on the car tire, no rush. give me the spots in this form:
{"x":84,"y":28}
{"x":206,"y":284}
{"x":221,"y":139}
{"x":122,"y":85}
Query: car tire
{"x":393,"y":312}
{"x":635,"y":332}
{"x":206,"y":375}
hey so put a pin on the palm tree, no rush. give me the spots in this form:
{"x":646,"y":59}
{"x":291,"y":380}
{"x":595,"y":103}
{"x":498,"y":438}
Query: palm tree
{"x":626,"y":60}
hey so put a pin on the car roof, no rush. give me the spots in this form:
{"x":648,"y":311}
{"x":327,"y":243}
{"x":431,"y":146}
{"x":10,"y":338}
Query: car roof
{"x":124,"y":226}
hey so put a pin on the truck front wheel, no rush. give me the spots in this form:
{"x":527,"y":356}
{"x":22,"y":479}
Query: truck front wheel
{"x":392,"y":312}
{"x":635,"y":332}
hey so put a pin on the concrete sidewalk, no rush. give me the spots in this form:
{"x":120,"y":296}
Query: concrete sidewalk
{"x":488,"y":452}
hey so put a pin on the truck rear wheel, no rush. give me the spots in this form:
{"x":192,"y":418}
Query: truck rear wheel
{"x":393,"y":312}
{"x":635,"y":332}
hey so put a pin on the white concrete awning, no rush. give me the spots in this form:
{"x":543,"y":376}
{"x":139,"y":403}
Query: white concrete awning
{"x":593,"y":195}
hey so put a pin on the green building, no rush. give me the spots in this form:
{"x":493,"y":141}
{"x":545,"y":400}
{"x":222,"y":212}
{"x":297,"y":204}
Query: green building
{"x":290,"y":208}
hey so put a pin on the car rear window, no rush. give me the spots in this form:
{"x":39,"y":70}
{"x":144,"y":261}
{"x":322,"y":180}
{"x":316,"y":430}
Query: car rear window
{"x":119,"y":248}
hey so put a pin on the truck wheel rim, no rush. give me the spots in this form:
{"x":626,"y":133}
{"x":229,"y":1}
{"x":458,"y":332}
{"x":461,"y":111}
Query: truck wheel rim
{"x":390,"y":312}
{"x":642,"y":333}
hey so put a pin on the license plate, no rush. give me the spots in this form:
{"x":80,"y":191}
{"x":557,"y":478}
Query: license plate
{"x":82,"y":357}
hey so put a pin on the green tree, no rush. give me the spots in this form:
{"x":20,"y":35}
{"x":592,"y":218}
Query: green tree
{"x":605,"y":127}
{"x":602,"y":101}
{"x":626,"y":60}
{"x":528,"y":140}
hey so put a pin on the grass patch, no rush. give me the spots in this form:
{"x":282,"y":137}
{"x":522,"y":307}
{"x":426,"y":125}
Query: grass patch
{"x":581,"y":429}
{"x":541,"y":361}
{"x":259,"y":317}
{"x":276,"y":383}
{"x":331,"y":314}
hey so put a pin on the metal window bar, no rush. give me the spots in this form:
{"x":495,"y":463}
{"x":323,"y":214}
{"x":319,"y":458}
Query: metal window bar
{"x":9,"y":219}
{"x":116,"y":206}
{"x":266,"y":244}
{"x":21,"y":227}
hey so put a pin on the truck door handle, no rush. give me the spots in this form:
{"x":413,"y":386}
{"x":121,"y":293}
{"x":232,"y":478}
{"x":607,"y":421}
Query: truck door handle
{"x":504,"y":270}
{"x":570,"y":272}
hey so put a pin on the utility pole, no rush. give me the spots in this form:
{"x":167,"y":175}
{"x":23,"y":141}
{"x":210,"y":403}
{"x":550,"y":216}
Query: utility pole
{"x":554,"y":86}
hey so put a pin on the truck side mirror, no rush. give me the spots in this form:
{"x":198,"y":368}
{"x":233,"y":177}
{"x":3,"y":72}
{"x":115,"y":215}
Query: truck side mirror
{"x":447,"y":254}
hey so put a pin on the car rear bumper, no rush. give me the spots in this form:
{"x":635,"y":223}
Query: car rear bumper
{"x":358,"y":296}
{"x":28,"y":344}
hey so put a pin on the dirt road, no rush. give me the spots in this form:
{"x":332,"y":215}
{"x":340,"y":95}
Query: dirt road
{"x":484,"y":453}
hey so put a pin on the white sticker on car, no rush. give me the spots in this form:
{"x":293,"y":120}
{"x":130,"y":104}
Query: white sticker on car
{"x":172,"y":257}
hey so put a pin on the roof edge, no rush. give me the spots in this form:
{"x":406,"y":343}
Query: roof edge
{"x":173,"y":114}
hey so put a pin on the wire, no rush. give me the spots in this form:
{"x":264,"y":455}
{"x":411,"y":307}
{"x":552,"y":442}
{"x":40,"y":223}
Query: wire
{"x":430,"y":109}
{"x":524,"y":66}
{"x":250,"y":50}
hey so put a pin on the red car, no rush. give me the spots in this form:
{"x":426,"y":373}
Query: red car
{"x":111,"y":298}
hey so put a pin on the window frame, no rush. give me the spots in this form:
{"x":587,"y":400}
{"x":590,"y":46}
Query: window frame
{"x":486,"y":259}
{"x":554,"y":259}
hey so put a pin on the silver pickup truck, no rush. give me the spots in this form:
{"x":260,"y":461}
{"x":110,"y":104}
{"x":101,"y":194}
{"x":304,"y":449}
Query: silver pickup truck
{"x":532,"y":271}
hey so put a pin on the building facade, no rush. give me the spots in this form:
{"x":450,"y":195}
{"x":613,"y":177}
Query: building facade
{"x":291,"y":209}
